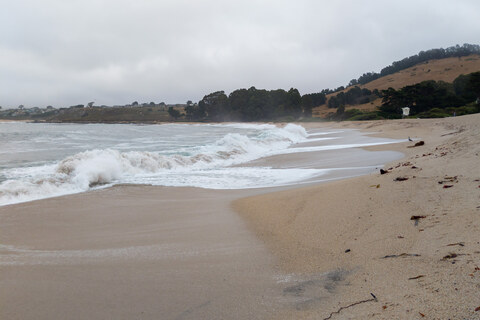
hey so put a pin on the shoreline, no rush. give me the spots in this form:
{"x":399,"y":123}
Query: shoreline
{"x":363,"y":226}
{"x":271,"y":254}
{"x":176,"y":251}
{"x":309,"y":161}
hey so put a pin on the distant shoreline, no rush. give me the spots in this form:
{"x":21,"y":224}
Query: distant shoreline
{"x":7,"y":120}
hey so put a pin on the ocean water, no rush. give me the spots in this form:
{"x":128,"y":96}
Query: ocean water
{"x":44,"y":160}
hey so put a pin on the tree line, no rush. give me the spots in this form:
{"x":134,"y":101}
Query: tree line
{"x":254,"y":105}
{"x":427,"y":95}
{"x":355,"y":95}
{"x":262,"y":105}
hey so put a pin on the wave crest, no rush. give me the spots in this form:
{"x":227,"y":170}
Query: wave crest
{"x":99,"y":167}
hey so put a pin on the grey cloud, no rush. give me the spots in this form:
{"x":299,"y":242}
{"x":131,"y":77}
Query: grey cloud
{"x":116,"y":51}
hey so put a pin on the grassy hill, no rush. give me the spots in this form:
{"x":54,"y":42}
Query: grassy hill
{"x":439,"y":70}
{"x":97,"y":114}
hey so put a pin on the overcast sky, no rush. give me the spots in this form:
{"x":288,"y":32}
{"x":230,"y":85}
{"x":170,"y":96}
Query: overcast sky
{"x":66,"y":52}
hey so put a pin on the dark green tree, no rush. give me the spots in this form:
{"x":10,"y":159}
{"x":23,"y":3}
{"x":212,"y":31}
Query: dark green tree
{"x":216,"y":106}
{"x":257,"y":106}
{"x":392,"y":103}
{"x":468,"y":86}
{"x":174,"y":113}
{"x":238,"y":100}
{"x":420,"y":97}
{"x":307,"y":105}
{"x":278,"y":101}
{"x":195,"y":113}
{"x":294,"y":107}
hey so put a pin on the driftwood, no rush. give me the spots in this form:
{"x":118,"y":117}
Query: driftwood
{"x":401,"y":255}
{"x":418,"y":144}
{"x":417,"y":217}
{"x":461,"y":244}
{"x":450,"y":256}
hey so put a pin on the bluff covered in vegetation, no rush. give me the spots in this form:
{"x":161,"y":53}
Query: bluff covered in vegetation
{"x":422,"y":56}
{"x":427,"y":99}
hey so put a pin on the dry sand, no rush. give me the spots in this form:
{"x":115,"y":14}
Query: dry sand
{"x":136,"y":252}
{"x":363,"y":227}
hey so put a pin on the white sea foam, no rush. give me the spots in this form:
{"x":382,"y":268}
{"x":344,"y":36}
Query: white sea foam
{"x":335,"y":147}
{"x":83,"y":157}
{"x":201,"y":166}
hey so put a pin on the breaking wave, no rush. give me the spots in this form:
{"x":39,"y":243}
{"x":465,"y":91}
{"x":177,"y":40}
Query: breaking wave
{"x":181,"y":167}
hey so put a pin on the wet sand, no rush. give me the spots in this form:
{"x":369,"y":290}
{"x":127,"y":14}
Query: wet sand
{"x":292,"y":252}
{"x":153,"y":252}
{"x":133,"y":252}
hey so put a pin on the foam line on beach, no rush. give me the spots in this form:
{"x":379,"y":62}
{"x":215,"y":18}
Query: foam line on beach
{"x":28,"y":256}
{"x":338,"y":146}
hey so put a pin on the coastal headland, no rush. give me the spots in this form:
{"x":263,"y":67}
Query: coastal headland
{"x":403,"y":244}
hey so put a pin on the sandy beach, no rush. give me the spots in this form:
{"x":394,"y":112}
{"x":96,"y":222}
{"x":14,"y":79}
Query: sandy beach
{"x":315,"y":252}
{"x":421,"y":268}
{"x":133,"y":252}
